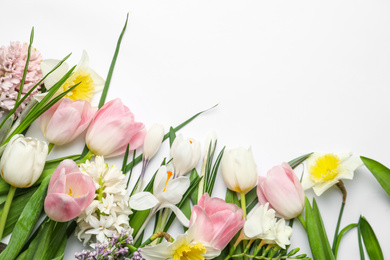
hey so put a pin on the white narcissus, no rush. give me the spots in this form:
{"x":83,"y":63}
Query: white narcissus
{"x":325,"y":170}
{"x":23,"y":160}
{"x":167,"y":192}
{"x":91,"y":82}
{"x":185,"y":155}
{"x":239,"y":170}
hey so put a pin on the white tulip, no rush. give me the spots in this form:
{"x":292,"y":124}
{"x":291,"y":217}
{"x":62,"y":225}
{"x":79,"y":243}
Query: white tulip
{"x":239,"y":170}
{"x":153,"y":141}
{"x":185,"y":155}
{"x":23,"y":161}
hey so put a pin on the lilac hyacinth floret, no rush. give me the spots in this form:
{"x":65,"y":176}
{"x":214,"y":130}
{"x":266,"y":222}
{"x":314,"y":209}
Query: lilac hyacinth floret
{"x":12,"y":62}
{"x":117,"y":248}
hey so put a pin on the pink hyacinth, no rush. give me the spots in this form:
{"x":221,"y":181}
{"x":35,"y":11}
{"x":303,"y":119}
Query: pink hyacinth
{"x":70,"y":192}
{"x":12,"y":62}
{"x":214,"y":221}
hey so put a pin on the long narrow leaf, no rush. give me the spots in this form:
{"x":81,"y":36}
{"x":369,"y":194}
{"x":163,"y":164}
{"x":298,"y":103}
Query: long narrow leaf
{"x":26,"y":223}
{"x":322,"y":232}
{"x":214,"y":171}
{"x":315,"y":241}
{"x":26,"y":66}
{"x":340,"y":236}
{"x":370,"y":240}
{"x":177,"y":128}
{"x":297,"y":161}
{"x":380,"y":172}
{"x":112,"y":66}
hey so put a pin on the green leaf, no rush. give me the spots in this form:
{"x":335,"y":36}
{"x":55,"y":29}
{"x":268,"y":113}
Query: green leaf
{"x":297,"y":161}
{"x":370,"y":240}
{"x":26,"y":222}
{"x":213,"y":174}
{"x":324,"y":238}
{"x":231,"y":197}
{"x":26,"y":66}
{"x":186,"y":209}
{"x":172,"y":136}
{"x":112,"y":66}
{"x":177,"y":128}
{"x":380,"y":172}
{"x":340,"y":236}
{"x":49,"y":243}
{"x":317,"y":247}
{"x":194,"y":195}
{"x":17,"y":206}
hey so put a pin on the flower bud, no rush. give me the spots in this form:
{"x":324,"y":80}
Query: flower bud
{"x":239,"y":169}
{"x":185,"y":154}
{"x":112,"y":129}
{"x":69,"y":193}
{"x":23,"y":161}
{"x":153,"y":141}
{"x":66,"y":120}
{"x":283,"y":191}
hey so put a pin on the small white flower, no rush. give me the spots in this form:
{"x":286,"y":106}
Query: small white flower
{"x":106,"y":204}
{"x":185,"y":155}
{"x":260,"y":223}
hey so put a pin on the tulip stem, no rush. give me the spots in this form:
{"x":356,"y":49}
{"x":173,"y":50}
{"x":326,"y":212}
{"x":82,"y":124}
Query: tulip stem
{"x":6,"y":208}
{"x":243,"y":204}
{"x":303,"y":222}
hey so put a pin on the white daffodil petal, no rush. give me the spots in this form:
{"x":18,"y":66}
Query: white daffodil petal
{"x":53,"y":78}
{"x":158,"y":252}
{"x":179,"y":214}
{"x":306,"y":182}
{"x":84,"y":62}
{"x":348,"y":166}
{"x":98,"y":81}
{"x":322,"y":187}
{"x":143,"y":201}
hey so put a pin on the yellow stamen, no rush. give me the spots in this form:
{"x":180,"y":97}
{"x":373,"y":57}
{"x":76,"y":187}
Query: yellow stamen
{"x":325,"y":168}
{"x":190,"y":141}
{"x":169,"y":173}
{"x":84,"y":90}
{"x":187,"y":252}
{"x":70,"y":193}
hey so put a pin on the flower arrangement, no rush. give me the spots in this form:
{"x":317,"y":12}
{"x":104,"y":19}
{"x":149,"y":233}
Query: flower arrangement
{"x":84,"y":196}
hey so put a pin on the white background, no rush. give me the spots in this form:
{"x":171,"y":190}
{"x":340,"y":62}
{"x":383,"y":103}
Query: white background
{"x":290,"y":77}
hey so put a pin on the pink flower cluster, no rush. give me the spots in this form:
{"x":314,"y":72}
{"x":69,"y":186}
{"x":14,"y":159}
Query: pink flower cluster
{"x":12,"y":62}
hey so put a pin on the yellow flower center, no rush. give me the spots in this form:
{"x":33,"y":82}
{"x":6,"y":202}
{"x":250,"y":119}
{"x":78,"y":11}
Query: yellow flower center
{"x":70,"y":193}
{"x":84,"y":90}
{"x":187,"y":252}
{"x":325,"y":168}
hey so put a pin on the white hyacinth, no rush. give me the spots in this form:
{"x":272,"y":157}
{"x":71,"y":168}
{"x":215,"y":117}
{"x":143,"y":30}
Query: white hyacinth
{"x":109,"y":213}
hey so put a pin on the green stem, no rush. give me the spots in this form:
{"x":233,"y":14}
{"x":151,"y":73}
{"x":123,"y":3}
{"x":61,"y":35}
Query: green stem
{"x":336,"y":232}
{"x":6,"y":208}
{"x":243,"y":204}
{"x":51,"y":145}
{"x":230,"y":253}
{"x":303,"y":222}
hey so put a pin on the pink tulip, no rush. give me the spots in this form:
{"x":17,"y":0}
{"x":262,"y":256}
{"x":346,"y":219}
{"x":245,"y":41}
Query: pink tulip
{"x":214,"y":221}
{"x":66,"y":120}
{"x":112,"y":129}
{"x":283,"y":191}
{"x":70,"y":192}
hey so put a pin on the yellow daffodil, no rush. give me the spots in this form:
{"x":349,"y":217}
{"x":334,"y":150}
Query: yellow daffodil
{"x":325,"y":170}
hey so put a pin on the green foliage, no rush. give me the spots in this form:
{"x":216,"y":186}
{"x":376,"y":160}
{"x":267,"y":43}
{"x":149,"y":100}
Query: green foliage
{"x":370,"y":240}
{"x":380,"y":172}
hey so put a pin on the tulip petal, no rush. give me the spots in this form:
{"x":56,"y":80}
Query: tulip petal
{"x":143,"y":201}
{"x":61,"y":207}
{"x":65,"y":167}
{"x":201,"y":225}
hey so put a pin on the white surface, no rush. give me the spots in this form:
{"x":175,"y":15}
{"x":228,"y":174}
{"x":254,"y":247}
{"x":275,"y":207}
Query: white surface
{"x":290,"y":77}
